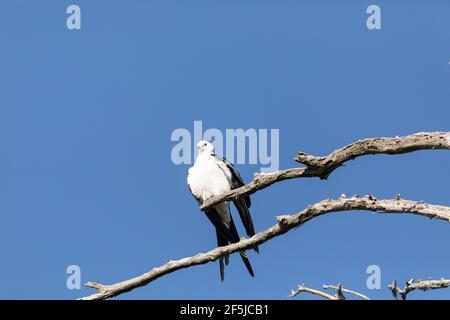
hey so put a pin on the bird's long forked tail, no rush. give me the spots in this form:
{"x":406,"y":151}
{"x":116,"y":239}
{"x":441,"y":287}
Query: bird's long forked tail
{"x":221,"y":242}
{"x":226,"y":259}
{"x":244,"y":257}
{"x":243,"y":254}
{"x":246,"y":218}
{"x":224,"y":237}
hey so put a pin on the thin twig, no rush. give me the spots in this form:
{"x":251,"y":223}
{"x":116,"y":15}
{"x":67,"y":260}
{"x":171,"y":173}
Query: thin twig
{"x":302,"y":288}
{"x":342,"y":289}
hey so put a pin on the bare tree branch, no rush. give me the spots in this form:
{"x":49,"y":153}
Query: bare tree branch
{"x":339,"y":292}
{"x":341,"y":289}
{"x":322,"y":167}
{"x":302,"y":288}
{"x":420,"y":284}
{"x":394,"y":289}
{"x":410,"y":286}
{"x":285,"y":223}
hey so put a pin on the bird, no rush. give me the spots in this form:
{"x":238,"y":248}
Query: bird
{"x":212,"y":175}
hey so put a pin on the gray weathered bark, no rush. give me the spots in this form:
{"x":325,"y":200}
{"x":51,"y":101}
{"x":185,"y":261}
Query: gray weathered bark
{"x":421,"y":284}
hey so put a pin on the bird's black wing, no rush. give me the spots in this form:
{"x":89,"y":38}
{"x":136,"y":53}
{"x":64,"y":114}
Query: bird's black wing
{"x":224,"y":231}
{"x":236,"y":179}
{"x":242,"y":204}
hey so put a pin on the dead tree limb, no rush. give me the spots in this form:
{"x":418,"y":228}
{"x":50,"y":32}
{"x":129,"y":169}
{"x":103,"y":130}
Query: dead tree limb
{"x":285,"y":224}
{"x":420,"y":284}
{"x":340,"y":289}
{"x":339,"y":292}
{"x":302,"y":288}
{"x":410,"y":286}
{"x":322,"y":167}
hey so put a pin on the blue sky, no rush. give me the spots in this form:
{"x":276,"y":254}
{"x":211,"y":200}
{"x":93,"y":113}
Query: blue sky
{"x":86,"y":116}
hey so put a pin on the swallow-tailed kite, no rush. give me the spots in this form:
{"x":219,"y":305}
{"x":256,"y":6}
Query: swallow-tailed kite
{"x":212,"y":175}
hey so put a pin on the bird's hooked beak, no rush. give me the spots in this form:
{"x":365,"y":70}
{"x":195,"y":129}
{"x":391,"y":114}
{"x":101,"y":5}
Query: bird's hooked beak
{"x":204,"y":146}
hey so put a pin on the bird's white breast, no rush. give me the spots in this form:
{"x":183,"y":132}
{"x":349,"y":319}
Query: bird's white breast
{"x":206,"y":179}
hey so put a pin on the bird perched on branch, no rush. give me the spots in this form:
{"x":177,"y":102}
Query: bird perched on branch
{"x":212,"y":175}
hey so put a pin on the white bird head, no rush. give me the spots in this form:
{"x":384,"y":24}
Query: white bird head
{"x":205,"y":147}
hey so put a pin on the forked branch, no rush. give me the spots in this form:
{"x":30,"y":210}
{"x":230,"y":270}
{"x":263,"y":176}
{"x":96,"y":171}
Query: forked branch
{"x":420,"y":284}
{"x":322,"y":167}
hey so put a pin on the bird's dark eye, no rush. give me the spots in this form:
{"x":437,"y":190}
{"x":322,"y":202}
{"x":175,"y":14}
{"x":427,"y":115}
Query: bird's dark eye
{"x":204,"y":144}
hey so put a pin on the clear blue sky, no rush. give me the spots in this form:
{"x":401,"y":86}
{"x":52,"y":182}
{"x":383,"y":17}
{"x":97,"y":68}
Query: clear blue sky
{"x":86,"y":116}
